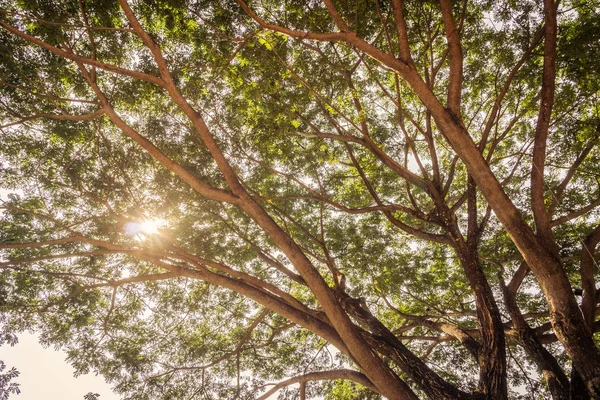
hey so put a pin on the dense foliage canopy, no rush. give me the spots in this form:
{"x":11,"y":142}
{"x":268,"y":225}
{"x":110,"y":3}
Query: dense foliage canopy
{"x":341,"y":200}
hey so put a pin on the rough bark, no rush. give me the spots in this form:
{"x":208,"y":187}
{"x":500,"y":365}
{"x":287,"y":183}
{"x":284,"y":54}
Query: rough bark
{"x":492,"y":352}
{"x":578,"y":389}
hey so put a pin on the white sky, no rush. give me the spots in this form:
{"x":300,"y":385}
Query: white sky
{"x":46,"y":375}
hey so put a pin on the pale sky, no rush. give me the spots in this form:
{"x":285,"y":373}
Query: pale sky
{"x":44,"y":372}
{"x":46,"y":375}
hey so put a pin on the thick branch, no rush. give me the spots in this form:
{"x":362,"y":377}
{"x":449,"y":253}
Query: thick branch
{"x":400,"y":23}
{"x":456,"y":58}
{"x":540,"y":214}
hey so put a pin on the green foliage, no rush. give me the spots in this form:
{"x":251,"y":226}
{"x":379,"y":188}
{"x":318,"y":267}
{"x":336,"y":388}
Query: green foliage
{"x":273,"y":105}
{"x":6,"y":386}
{"x":346,"y":390}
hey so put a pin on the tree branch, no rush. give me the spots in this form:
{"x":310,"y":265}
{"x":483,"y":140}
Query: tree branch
{"x":456,"y":58}
{"x":84,"y":60}
{"x":540,"y":214}
{"x":321,"y":376}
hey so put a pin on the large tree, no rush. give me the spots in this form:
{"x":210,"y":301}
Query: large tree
{"x":369,"y":198}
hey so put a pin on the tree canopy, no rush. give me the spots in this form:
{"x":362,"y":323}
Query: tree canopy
{"x":306,"y":199}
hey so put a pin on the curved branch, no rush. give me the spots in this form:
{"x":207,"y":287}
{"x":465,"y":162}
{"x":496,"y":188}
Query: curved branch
{"x":327,"y":37}
{"x":84,"y":60}
{"x":321,"y":376}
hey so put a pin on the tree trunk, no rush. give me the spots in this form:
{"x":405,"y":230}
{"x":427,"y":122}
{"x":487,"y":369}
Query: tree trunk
{"x":492,"y":353}
{"x":578,"y":390}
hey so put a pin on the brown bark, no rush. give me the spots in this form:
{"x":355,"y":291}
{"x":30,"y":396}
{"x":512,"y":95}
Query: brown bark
{"x":400,"y":23}
{"x":578,"y":389}
{"x":492,"y":355}
{"x":517,"y":279}
{"x":464,"y":337}
{"x":492,"y":352}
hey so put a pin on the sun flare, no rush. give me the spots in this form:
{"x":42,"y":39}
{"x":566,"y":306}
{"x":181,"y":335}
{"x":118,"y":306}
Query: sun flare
{"x":151,"y":226}
{"x":148,"y":227}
